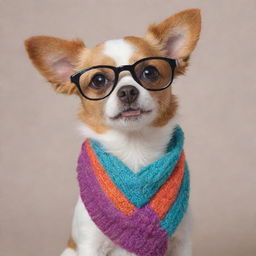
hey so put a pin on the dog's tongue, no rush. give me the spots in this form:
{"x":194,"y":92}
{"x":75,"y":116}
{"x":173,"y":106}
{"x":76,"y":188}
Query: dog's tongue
{"x":130,"y":113}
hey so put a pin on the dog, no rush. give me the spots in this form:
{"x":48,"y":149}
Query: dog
{"x":126,"y":109}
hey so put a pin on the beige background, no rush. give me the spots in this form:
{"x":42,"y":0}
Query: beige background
{"x":40,"y":143}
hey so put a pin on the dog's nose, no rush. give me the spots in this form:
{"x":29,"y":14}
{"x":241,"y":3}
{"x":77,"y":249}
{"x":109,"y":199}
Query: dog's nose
{"x":128,"y":94}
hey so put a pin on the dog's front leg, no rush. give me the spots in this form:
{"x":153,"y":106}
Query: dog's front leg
{"x":90,"y":241}
{"x":180,"y":244}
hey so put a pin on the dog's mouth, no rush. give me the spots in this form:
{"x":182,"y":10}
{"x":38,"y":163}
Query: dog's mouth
{"x":131,"y":113}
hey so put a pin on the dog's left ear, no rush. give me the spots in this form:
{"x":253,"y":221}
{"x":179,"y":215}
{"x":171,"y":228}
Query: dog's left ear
{"x":177,"y":35}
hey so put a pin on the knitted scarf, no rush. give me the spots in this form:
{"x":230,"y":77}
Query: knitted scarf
{"x":137,"y":211}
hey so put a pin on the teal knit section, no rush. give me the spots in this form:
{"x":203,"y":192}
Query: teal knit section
{"x":176,"y":213}
{"x":140,"y":187}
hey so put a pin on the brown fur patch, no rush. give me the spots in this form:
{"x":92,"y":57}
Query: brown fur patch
{"x":168,"y":105}
{"x":143,"y":49}
{"x":91,"y":113}
{"x":71,"y":244}
{"x":93,"y":57}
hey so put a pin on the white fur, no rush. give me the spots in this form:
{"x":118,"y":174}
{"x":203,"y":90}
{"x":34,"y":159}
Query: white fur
{"x":69,"y":252}
{"x":145,"y":101}
{"x":119,"y":50}
{"x":136,"y":148}
{"x":137,"y":145}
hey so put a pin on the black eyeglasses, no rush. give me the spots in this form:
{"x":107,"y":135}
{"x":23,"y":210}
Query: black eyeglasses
{"x":98,"y":82}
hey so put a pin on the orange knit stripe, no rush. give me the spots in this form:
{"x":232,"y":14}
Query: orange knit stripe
{"x":165,"y":197}
{"x":109,"y":188}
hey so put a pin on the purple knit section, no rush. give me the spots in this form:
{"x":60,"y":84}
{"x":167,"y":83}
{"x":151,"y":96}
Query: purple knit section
{"x":139,"y":233}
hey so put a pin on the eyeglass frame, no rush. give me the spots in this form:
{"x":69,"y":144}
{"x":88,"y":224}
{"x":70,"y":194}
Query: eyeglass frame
{"x":117,"y":70}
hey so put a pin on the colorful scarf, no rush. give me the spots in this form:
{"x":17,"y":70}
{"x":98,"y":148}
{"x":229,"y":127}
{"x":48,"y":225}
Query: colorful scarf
{"x":137,"y":211}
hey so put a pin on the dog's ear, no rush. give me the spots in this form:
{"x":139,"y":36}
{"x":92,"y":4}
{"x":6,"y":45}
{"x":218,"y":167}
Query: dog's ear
{"x":177,"y":35}
{"x":55,"y":59}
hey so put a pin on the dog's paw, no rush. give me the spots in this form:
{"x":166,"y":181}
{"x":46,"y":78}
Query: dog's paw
{"x":69,"y":252}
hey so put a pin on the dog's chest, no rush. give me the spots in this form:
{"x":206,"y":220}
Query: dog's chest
{"x":135,"y":153}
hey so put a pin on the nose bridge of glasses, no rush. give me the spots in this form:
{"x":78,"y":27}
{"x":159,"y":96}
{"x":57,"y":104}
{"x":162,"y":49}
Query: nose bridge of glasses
{"x":124,"y":67}
{"x":124,"y":70}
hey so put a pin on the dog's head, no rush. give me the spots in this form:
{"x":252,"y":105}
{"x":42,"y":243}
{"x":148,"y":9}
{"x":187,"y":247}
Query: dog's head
{"x":120,"y":85}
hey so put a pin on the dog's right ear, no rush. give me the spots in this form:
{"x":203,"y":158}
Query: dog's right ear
{"x":177,"y":36}
{"x":55,"y":59}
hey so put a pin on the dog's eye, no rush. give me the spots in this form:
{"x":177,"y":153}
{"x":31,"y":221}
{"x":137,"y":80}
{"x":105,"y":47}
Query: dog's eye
{"x":98,"y":81}
{"x":150,"y":73}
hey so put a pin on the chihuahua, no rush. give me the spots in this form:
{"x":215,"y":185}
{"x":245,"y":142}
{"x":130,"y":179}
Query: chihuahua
{"x":127,"y":105}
